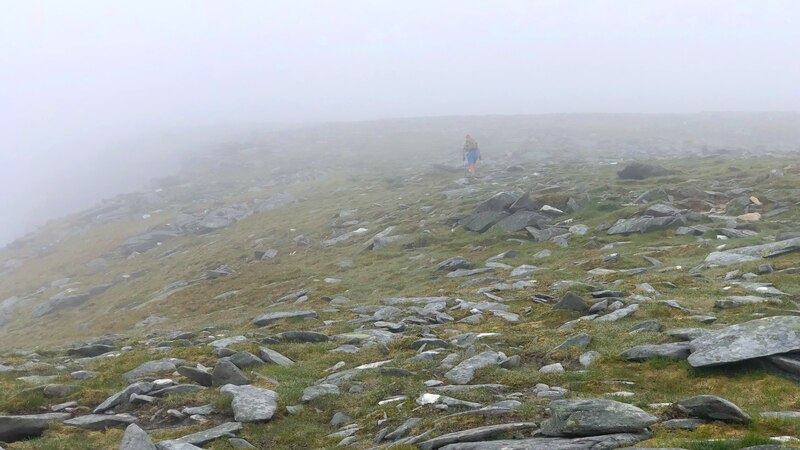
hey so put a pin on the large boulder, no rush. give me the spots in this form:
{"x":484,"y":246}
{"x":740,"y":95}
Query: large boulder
{"x":754,"y":339}
{"x":251,"y":404}
{"x":594,"y":417}
{"x":15,"y":428}
{"x":640,"y":171}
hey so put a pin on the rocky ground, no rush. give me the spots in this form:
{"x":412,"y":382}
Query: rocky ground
{"x":541,"y":305}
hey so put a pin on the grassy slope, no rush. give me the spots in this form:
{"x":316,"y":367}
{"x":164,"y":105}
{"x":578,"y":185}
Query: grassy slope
{"x":398,"y":272}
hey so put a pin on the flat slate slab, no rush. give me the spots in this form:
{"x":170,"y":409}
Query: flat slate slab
{"x":604,"y":442}
{"x":474,"y":434}
{"x":754,"y":339}
{"x":268,"y":318}
{"x":15,"y":428}
{"x":101,"y":421}
{"x":753,"y":253}
{"x":206,"y":436}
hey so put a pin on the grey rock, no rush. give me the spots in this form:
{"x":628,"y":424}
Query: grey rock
{"x":511,"y":362}
{"x":458,"y":273}
{"x":312,"y":392}
{"x":15,"y":428}
{"x":176,"y":389}
{"x":579,"y":341}
{"x":645,"y":224}
{"x":456,"y":262}
{"x":63,"y":406}
{"x":546,"y":234}
{"x":58,"y":390}
{"x":523,"y":203}
{"x":136,"y":439}
{"x":713,"y":408}
{"x":571,"y":302}
{"x":240,"y":443}
{"x":552,"y":368}
{"x":121,"y":397}
{"x":675,"y":351}
{"x":682,"y":424}
{"x":588,"y":358}
{"x":152,"y":368}
{"x":339,"y":419}
{"x":737,"y":301}
{"x":753,"y":339}
{"x":206,"y":436}
{"x":618,"y":314}
{"x":301,"y":337}
{"x":226,"y":372}
{"x":91,"y":350}
{"x":475,"y":434}
{"x":244,"y":360}
{"x":604,"y":442}
{"x":649,"y":326}
{"x":251,"y":404}
{"x":225,"y":342}
{"x":593,"y":417}
{"x":662,"y":210}
{"x":520,"y":220}
{"x":465,"y":371}
{"x":599,"y":307}
{"x":200,"y":377}
{"x":82,"y":374}
{"x":482,"y":221}
{"x":173,"y":445}
{"x":273,"y":357}
{"x":268,"y":318}
{"x":788,"y":363}
{"x":101,"y":421}
{"x":403,"y":430}
{"x":498,"y":202}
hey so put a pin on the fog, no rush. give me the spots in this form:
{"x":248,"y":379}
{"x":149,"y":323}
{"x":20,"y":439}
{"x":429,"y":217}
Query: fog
{"x":96,"y":97}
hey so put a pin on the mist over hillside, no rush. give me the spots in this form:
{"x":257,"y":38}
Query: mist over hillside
{"x":75,"y":180}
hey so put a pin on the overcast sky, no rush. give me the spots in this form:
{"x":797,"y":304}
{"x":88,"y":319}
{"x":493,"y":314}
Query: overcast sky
{"x":80,"y":78}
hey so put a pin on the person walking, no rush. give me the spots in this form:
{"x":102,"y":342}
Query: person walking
{"x":471,"y":154}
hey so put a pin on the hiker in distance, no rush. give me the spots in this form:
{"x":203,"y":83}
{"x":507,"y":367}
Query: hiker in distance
{"x":471,"y":154}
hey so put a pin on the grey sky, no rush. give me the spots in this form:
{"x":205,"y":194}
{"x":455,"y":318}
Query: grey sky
{"x":80,"y":78}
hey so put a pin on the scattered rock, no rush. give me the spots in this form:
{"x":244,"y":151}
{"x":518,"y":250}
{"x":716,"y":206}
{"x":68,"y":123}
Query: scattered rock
{"x":251,"y":404}
{"x":713,"y":408}
{"x":594,"y":417}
